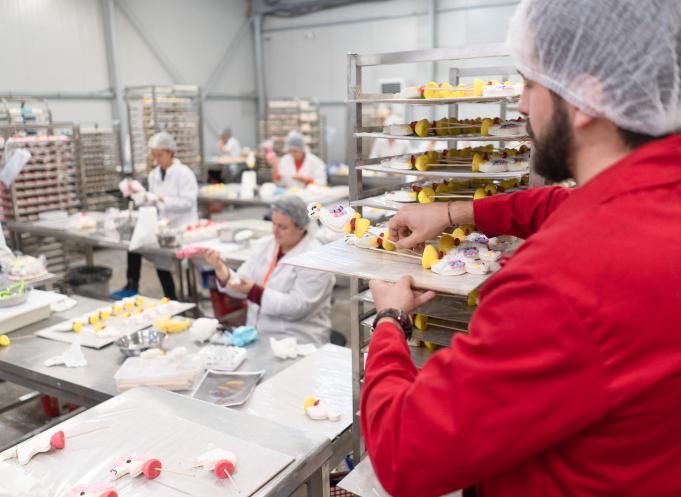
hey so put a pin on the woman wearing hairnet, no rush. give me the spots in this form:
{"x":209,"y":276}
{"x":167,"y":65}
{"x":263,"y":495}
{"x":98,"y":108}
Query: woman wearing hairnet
{"x":173,"y":190}
{"x":568,"y":381}
{"x":298,"y":167}
{"x":283,"y":300}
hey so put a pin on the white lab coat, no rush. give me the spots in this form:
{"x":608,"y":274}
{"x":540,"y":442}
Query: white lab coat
{"x":296,"y":301}
{"x":383,"y":148}
{"x":179,"y":190}
{"x":313,"y":168}
{"x":232,"y":148}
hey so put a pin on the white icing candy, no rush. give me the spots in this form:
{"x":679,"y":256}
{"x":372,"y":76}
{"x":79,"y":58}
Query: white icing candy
{"x":409,"y":92}
{"x":502,"y":243}
{"x":468,"y":254}
{"x":476,"y":237}
{"x":518,"y":165}
{"x":490,"y":256}
{"x":494,"y":166}
{"x":508,"y":128}
{"x":402,"y":163}
{"x":127,"y":465}
{"x":477,"y":267}
{"x":336,"y":217}
{"x":402,"y":196}
{"x":208,"y":459}
{"x":92,"y":490}
{"x":398,"y":130}
{"x":449,"y":267}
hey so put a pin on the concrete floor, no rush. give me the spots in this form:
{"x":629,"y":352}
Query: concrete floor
{"x":30,"y":416}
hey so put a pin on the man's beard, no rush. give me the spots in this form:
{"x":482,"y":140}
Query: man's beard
{"x":552,"y":154}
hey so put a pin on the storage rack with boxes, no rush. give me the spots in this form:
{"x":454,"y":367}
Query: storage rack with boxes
{"x":175,"y":109}
{"x":451,"y":311}
{"x":286,"y":115}
{"x":49,"y":181}
{"x":100,"y":166}
{"x":28,"y":110}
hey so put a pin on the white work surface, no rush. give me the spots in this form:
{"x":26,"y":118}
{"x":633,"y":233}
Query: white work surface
{"x":325,"y":374}
{"x":143,"y":423}
{"x":362,"y":481}
{"x":18,"y":316}
{"x":340,"y":258}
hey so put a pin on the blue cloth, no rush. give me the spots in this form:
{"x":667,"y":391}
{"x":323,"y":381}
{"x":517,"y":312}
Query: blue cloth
{"x":243,"y":335}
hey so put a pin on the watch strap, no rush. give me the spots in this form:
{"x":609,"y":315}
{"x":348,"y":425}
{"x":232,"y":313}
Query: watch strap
{"x":398,"y":315}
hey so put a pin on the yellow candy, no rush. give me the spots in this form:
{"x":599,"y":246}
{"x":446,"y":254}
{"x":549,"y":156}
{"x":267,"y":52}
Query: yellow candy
{"x":428,"y":91}
{"x":442,"y":188}
{"x":446,"y":243}
{"x":139,"y":310}
{"x":431,"y":346}
{"x":490,"y":189}
{"x":422,"y":127}
{"x":362,"y":225}
{"x":165,"y":300}
{"x":426,"y":195}
{"x":477,"y":160}
{"x":486,"y":124}
{"x":474,"y":298}
{"x":479,"y":193}
{"x":444,"y":93}
{"x":421,"y":322}
{"x":128,"y":305}
{"x":116,"y":310}
{"x":442,"y":126}
{"x":430,"y":256}
{"x":139,"y":301}
{"x":309,"y":402}
{"x":459,"y":233}
{"x":93,"y":319}
{"x":99,"y":327}
{"x":387,"y":244}
{"x":151,"y":305}
{"x":478,"y":85}
{"x":104,"y":315}
{"x":4,"y":341}
{"x":77,"y":327}
{"x":421,"y":162}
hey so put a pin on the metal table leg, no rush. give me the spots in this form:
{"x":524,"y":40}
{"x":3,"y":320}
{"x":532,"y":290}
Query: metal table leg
{"x":318,"y":485}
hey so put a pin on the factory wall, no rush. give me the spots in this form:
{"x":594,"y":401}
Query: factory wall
{"x":58,"y":46}
{"x":304,"y":57}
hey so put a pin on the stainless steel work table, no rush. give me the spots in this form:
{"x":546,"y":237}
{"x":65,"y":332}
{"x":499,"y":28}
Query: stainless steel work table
{"x":310,"y":453}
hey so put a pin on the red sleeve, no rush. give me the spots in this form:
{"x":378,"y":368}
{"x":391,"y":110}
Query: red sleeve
{"x":519,"y":214}
{"x":255,"y":294}
{"x":524,"y":369}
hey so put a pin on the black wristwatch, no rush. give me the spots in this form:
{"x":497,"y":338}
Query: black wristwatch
{"x":400,"y":316}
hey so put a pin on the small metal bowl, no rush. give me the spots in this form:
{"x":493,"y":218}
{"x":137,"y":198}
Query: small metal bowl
{"x":135,"y":343}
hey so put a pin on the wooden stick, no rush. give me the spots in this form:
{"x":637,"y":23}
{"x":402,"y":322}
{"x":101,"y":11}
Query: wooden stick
{"x":394,"y":252}
{"x":174,"y":472}
{"x":442,"y":326}
{"x":86,"y":432}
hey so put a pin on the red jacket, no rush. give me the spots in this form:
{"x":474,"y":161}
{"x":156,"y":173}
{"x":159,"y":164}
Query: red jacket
{"x":569,"y":382}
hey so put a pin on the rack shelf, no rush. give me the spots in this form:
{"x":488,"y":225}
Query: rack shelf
{"x":440,"y":173}
{"x":387,"y":99}
{"x":461,"y":138}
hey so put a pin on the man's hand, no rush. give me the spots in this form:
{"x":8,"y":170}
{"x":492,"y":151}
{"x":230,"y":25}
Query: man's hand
{"x":398,"y":295}
{"x":414,"y":224}
{"x":241,"y":285}
{"x":212,"y":257}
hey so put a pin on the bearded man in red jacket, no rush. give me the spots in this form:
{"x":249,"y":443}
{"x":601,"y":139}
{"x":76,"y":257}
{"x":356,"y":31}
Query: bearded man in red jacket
{"x":569,"y":381}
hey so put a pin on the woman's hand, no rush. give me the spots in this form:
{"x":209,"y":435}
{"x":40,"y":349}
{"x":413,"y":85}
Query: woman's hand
{"x":212,"y":257}
{"x":241,"y":285}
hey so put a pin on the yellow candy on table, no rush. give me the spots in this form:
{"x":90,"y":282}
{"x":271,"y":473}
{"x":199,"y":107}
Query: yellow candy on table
{"x":386,"y":243}
{"x":433,"y":156}
{"x":139,"y":301}
{"x":139,"y":310}
{"x":421,"y":322}
{"x":431,"y":346}
{"x":474,"y":298}
{"x":77,"y":327}
{"x":511,"y":152}
{"x":446,"y":243}
{"x":422,"y":128}
{"x":166,"y":300}
{"x":442,"y":188}
{"x":426,"y":195}
{"x":99,"y":327}
{"x":93,"y":319}
{"x":491,"y":189}
{"x":430,"y":256}
{"x":309,"y":402}
{"x":442,"y":127}
{"x":454,"y":127}
{"x":104,"y":315}
{"x":362,"y":225}
{"x":5,"y":341}
{"x":445,"y":90}
{"x":116,"y":310}
{"x":151,"y":305}
{"x":128,"y":305}
{"x":479,"y":193}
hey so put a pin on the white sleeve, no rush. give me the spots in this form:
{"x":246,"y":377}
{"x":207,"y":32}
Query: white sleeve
{"x":226,"y":289}
{"x":319,"y":173}
{"x":234,"y":147}
{"x":186,"y":194}
{"x":308,"y":288}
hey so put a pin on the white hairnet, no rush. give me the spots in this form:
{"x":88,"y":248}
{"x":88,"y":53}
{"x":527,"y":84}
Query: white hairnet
{"x":227,"y":131}
{"x":620,"y":59}
{"x":295,"y":140}
{"x":163,"y":141}
{"x":294,"y":208}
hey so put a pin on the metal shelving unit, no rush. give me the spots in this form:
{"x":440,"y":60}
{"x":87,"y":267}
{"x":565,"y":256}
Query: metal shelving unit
{"x":100,"y":166}
{"x":28,"y":110}
{"x":285,"y":115}
{"x":51,"y":180}
{"x":175,"y":109}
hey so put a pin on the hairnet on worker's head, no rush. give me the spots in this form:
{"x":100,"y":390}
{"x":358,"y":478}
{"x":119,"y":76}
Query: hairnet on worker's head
{"x":227,"y":131}
{"x":163,"y":141}
{"x":619,"y":59}
{"x":295,"y":140}
{"x":294,"y":208}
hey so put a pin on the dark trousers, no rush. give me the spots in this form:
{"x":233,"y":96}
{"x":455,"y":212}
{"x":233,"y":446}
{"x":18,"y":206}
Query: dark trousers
{"x":134,"y":271}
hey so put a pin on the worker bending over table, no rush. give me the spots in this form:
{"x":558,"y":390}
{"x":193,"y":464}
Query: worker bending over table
{"x":283,"y":300}
{"x":567,"y":383}
{"x":173,"y":189}
{"x":298,"y":167}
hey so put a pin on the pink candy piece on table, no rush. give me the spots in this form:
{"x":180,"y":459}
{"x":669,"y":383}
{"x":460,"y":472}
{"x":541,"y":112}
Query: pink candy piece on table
{"x":223,"y":468}
{"x":58,"y":440}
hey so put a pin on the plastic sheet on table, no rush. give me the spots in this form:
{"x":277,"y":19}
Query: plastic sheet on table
{"x":227,"y":389}
{"x":325,"y":374}
{"x":132,"y":431}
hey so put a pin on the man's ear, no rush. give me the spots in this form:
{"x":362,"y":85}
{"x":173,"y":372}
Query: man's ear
{"x":581,"y":120}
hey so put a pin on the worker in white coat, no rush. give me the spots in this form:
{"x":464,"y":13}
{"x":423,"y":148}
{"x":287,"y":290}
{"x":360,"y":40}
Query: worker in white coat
{"x":227,"y":145}
{"x":298,"y":167}
{"x":173,"y":190}
{"x":283,"y":300}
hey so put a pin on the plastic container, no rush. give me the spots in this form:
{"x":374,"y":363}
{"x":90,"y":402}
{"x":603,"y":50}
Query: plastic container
{"x":89,"y":280}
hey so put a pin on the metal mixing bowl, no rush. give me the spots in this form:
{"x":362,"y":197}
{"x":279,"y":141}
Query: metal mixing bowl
{"x":139,"y":341}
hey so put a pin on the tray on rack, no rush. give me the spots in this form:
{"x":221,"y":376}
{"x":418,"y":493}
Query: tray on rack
{"x":340,"y":258}
{"x":445,"y":307}
{"x":388,"y":99}
{"x":440,"y":173}
{"x":460,"y":138}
